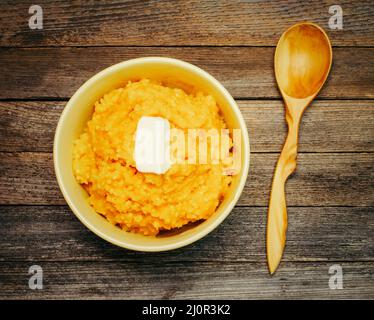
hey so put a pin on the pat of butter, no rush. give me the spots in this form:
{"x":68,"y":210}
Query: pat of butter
{"x":152,"y":145}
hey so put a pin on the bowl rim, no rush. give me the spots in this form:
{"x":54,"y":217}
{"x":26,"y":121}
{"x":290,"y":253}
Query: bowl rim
{"x":204,"y":231}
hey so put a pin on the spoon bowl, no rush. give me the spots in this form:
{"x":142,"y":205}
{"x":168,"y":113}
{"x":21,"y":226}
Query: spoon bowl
{"x":302,"y":63}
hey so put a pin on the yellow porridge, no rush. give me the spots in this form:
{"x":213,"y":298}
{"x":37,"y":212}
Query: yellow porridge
{"x":147,"y":203}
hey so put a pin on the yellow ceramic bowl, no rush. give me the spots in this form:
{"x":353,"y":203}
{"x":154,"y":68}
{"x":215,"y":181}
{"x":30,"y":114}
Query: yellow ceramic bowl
{"x":79,"y":110}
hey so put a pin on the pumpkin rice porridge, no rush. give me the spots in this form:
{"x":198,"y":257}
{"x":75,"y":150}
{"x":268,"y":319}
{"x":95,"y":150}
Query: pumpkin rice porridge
{"x":146,"y":203}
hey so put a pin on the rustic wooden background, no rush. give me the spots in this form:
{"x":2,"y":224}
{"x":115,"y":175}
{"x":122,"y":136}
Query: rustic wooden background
{"x":330,"y":198}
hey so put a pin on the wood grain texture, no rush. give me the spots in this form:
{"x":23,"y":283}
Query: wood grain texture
{"x":195,"y":22}
{"x":326,"y":179}
{"x":327,"y":126}
{"x":53,"y":233}
{"x":194,"y":280}
{"x":247,"y":72}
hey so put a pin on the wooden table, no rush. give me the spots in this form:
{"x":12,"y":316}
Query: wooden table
{"x":330,"y":198}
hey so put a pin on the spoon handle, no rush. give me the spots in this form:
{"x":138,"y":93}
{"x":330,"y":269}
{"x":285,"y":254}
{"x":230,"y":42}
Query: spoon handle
{"x":277,"y":214}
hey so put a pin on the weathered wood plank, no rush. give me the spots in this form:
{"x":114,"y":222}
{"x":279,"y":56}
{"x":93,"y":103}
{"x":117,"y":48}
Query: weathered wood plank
{"x":247,"y":72}
{"x":25,"y":126}
{"x":180,"y":22}
{"x":53,"y":233}
{"x":193,"y":280}
{"x":328,"y":126}
{"x":331,"y":179}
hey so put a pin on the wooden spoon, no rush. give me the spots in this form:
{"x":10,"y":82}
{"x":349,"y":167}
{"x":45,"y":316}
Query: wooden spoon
{"x":302,"y":63}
